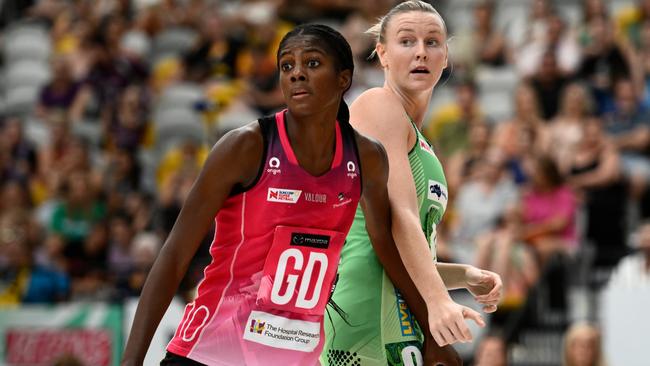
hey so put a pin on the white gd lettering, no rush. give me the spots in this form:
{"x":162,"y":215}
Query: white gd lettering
{"x":291,"y":280}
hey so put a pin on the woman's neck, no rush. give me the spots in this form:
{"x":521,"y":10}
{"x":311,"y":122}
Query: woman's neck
{"x":415,"y":104}
{"x":312,"y":139}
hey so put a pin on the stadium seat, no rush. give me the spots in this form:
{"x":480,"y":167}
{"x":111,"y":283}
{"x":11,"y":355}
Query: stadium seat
{"x":27,"y":44}
{"x":181,"y":95}
{"x":21,"y":100}
{"x":27,"y":73}
{"x":174,"y":41}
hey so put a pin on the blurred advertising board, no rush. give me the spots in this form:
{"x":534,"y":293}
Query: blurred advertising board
{"x":40,"y":335}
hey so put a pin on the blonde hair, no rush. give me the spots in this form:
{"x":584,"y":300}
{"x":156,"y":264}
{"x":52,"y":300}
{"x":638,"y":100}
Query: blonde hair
{"x":587,"y":100}
{"x":378,"y":31}
{"x":574,"y":332}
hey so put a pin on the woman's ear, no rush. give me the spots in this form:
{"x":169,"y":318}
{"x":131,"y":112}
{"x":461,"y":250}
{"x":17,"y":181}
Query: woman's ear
{"x":345,"y":79}
{"x":381,"y":53}
{"x":446,"y":55}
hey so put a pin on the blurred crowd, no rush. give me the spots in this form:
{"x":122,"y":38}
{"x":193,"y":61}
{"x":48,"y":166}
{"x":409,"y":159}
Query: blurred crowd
{"x":109,"y":108}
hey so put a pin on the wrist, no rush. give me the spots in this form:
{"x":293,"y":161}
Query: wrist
{"x":438,"y":303}
{"x":467,"y":274}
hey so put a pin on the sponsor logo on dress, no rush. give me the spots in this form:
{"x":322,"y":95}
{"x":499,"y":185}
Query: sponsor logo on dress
{"x":283,"y":195}
{"x":352,"y":169}
{"x":310,"y":240}
{"x":437,"y":192}
{"x":274,"y":166}
{"x":257,"y":326}
{"x":404,"y":314}
{"x":424,"y":146}
{"x":343,"y":200}
{"x":280,"y":332}
{"x":316,"y":197}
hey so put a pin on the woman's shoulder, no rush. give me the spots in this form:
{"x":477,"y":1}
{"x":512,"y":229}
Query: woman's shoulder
{"x":247,"y":136}
{"x":243,"y":146}
{"x":378,"y":109}
{"x":377,"y":98}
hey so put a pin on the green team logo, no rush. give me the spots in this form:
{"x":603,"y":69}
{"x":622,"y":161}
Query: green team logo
{"x":430,"y":221}
{"x":404,"y":354}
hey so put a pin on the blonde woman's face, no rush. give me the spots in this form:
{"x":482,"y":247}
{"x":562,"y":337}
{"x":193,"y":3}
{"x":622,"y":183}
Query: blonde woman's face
{"x":525,"y":100}
{"x":415,"y":50}
{"x":583,"y":349}
{"x":574,"y":99}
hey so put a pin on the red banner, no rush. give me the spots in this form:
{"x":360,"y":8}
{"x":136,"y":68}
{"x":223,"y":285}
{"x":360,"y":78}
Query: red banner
{"x":36,"y":347}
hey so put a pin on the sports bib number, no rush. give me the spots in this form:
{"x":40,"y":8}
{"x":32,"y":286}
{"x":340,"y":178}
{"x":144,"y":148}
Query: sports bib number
{"x":299,"y":269}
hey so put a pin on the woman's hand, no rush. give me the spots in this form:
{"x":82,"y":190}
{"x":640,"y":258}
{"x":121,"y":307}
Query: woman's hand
{"x":447,"y":322}
{"x":485,"y":286}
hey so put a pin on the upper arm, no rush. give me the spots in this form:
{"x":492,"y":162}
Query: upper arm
{"x":382,"y":117}
{"x":611,"y":162}
{"x":374,"y":168}
{"x":235,"y":159}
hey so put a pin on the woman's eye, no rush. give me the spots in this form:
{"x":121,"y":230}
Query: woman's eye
{"x":433,"y":42}
{"x":286,"y":67}
{"x":313,"y":63}
{"x":406,"y":42}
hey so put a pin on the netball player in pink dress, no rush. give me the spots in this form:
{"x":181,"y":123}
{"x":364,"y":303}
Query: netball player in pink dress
{"x":284,"y":191}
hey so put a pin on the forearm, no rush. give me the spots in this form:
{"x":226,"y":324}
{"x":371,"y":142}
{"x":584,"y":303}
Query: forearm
{"x":158,"y":291}
{"x":390,"y":259}
{"x":551,"y":226}
{"x":453,"y":275}
{"x":592,"y":179}
{"x":418,"y":260}
{"x":636,"y":140}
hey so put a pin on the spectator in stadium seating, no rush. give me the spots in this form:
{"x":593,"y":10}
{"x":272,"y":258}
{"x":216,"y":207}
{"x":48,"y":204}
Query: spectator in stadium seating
{"x":502,"y":251}
{"x":496,"y":192}
{"x":89,"y":272}
{"x":594,"y":172}
{"x":62,"y":93}
{"x":462,"y":166}
{"x":559,"y":42}
{"x":535,"y":27}
{"x":630,"y":21}
{"x":22,"y":280}
{"x":582,"y":346}
{"x":522,"y":134}
{"x":120,"y":260}
{"x":216,"y":51}
{"x":629,"y":128}
{"x":111,"y":71}
{"x":548,"y":83}
{"x":591,"y":9}
{"x":19,"y":154}
{"x":548,"y":209}
{"x":641,"y":69}
{"x":491,"y":351}
{"x":75,"y":215}
{"x":484,"y":43}
{"x":127,"y":124}
{"x":565,"y":130}
{"x":448,"y":129}
{"x":123,"y":173}
{"x":53,"y":154}
{"x":144,"y":250}
{"x":604,"y":62}
{"x":14,"y":195}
